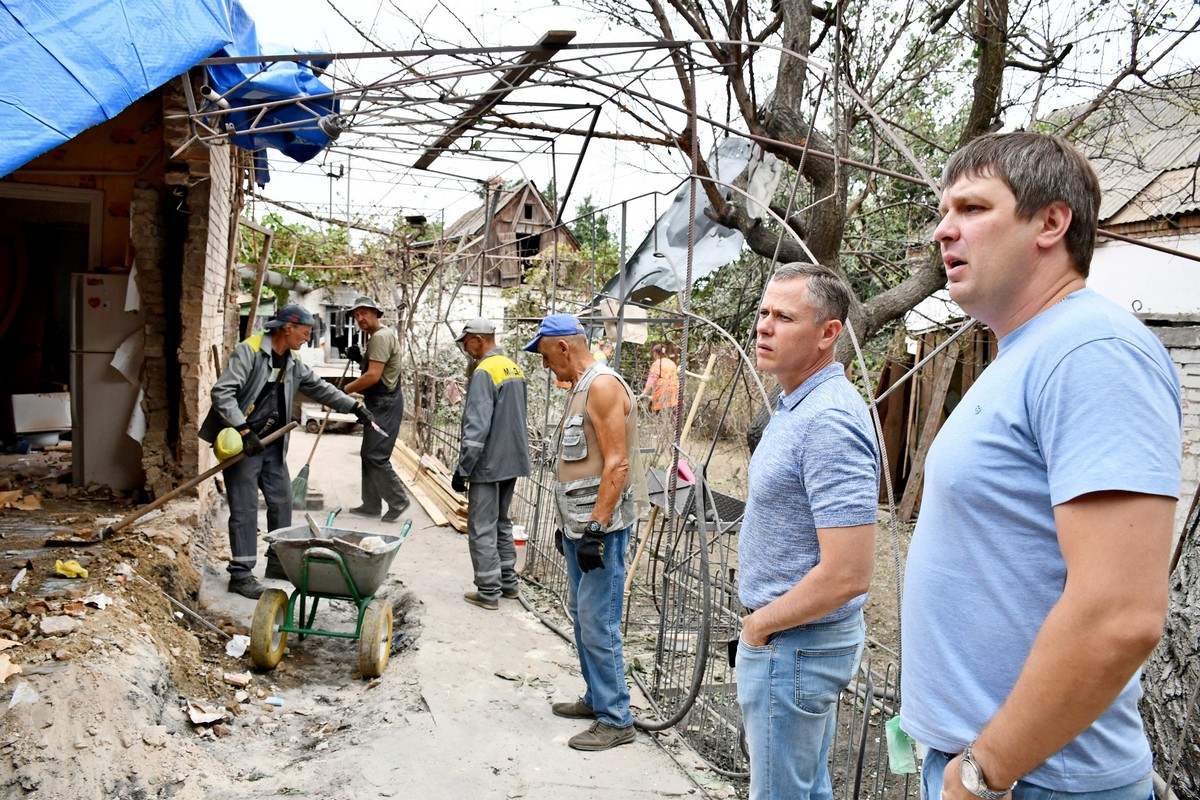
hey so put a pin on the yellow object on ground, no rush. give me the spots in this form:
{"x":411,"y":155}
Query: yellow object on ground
{"x":70,"y":569}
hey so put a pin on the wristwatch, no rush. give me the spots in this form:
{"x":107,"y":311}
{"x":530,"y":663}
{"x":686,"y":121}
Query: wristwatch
{"x":594,"y":528}
{"x":973,"y":781}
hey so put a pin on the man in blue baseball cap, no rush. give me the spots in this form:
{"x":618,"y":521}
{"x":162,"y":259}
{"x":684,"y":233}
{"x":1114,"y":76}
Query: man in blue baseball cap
{"x":596,"y":488}
{"x":555,"y":325}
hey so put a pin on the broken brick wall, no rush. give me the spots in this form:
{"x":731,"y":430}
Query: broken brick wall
{"x":206,"y":183}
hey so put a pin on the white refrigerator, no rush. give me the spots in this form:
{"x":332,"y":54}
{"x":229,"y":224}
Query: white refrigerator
{"x":102,"y":398}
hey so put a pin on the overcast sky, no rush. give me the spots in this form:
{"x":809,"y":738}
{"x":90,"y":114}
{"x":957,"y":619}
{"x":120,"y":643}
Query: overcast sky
{"x":613,"y":174}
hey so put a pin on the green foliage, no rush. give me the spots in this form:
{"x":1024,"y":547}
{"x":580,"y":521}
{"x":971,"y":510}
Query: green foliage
{"x":591,"y":226}
{"x":293,"y":244}
{"x":729,"y":298}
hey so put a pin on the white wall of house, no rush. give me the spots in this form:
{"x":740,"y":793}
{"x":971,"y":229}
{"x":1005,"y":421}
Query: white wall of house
{"x":1147,"y":281}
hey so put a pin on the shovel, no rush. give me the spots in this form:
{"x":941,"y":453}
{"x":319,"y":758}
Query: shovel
{"x":300,"y":482}
{"x":69,"y":538}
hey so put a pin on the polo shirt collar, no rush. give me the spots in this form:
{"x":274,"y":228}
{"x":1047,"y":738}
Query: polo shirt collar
{"x":790,"y":401}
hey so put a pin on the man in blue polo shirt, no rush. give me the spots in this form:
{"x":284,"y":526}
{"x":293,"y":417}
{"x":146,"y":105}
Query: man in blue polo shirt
{"x":807,"y":543}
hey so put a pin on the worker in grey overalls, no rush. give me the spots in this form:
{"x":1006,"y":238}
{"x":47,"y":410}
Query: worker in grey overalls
{"x":254,"y":396}
{"x":379,"y":384}
{"x":493,"y":453}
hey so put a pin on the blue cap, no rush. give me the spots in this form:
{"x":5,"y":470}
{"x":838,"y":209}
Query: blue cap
{"x":297,"y":315}
{"x":555,"y":325}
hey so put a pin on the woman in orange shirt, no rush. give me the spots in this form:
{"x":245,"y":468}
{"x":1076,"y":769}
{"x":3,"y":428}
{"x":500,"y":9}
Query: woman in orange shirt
{"x":662,"y":381}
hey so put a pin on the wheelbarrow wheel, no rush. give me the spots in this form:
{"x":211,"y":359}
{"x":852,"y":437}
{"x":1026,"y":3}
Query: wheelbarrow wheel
{"x":266,"y":639}
{"x":375,"y":639}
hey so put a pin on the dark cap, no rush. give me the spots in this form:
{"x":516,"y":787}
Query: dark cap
{"x":477,"y":325}
{"x":366,"y":302}
{"x":295,"y":314}
{"x":555,"y":325}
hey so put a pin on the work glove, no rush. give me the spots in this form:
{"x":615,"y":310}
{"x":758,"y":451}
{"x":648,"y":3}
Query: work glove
{"x":363,"y":415}
{"x":458,"y":483}
{"x":558,"y":537}
{"x":353,"y":353}
{"x":251,"y":444}
{"x":590,"y":552}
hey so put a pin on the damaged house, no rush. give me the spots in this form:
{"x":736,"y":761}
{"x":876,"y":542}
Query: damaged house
{"x":118,"y":282}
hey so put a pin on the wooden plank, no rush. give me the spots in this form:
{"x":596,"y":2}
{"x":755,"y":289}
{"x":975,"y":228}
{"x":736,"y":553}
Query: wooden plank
{"x":893,"y":419}
{"x":944,"y":363}
{"x":970,"y":354}
{"x":424,"y":488}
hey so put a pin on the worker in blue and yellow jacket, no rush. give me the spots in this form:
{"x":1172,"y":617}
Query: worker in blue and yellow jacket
{"x":253,"y":396}
{"x":494,"y":452}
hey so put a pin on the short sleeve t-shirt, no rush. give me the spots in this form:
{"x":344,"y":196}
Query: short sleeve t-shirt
{"x":1082,"y":398}
{"x":384,"y":346}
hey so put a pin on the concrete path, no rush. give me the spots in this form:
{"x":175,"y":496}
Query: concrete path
{"x":445,"y":724}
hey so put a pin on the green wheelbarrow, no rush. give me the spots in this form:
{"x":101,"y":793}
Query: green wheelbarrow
{"x":336,"y":565}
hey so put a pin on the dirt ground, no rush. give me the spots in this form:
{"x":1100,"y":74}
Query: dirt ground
{"x":123,"y":693}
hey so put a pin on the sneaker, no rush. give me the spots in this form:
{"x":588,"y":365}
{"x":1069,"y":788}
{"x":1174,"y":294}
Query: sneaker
{"x":363,"y":511}
{"x":393,"y":513}
{"x":510,"y":594}
{"x":474,"y":599}
{"x":246,"y":586}
{"x":601,"y":737}
{"x":576,"y":709}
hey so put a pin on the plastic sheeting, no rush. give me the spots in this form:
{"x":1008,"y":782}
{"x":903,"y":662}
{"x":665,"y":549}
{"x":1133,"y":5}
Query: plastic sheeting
{"x":71,"y":64}
{"x":285,"y":96}
{"x":658,"y":267}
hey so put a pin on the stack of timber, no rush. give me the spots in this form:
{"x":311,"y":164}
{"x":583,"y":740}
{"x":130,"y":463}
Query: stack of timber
{"x":428,"y":481}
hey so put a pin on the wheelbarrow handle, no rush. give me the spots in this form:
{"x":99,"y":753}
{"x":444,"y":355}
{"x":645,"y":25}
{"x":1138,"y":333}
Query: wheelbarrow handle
{"x":133,"y":516}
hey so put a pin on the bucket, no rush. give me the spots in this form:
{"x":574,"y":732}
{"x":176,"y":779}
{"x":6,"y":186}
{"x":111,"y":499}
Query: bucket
{"x":518,"y":532}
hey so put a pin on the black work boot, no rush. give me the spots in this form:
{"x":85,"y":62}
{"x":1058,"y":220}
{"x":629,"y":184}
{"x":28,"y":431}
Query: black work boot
{"x":394,"y":512}
{"x":246,"y":585}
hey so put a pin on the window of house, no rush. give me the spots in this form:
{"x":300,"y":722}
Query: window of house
{"x":529,"y":245}
{"x":529,"y":211}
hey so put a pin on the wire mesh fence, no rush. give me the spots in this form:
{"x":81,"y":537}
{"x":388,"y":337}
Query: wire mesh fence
{"x":681,"y":610}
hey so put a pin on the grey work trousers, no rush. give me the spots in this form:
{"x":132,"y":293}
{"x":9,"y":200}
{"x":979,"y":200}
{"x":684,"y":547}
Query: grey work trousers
{"x":379,"y":481}
{"x":268,"y":471}
{"x":489,"y":536}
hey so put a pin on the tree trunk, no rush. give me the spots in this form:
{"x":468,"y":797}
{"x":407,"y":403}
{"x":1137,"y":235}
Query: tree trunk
{"x":1171,"y":677}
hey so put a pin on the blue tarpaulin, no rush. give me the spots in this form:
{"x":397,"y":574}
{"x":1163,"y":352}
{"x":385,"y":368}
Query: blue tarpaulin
{"x":286,"y":95}
{"x":71,"y":64}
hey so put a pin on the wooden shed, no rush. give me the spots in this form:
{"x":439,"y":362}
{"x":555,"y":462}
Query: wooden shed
{"x":912,"y":414}
{"x":498,"y":240}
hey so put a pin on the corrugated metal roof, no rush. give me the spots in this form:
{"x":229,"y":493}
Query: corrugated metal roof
{"x":1145,"y":146}
{"x":1176,"y":189}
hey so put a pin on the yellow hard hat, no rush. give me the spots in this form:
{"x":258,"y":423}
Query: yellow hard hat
{"x":227,"y":444}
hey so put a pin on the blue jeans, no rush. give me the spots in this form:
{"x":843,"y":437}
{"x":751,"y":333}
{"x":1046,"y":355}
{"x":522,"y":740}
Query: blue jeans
{"x":934,"y":765}
{"x":788,"y":690}
{"x":594,"y":603}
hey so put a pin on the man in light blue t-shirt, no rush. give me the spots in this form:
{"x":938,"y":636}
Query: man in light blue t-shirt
{"x":807,"y":542}
{"x":1036,"y":583}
